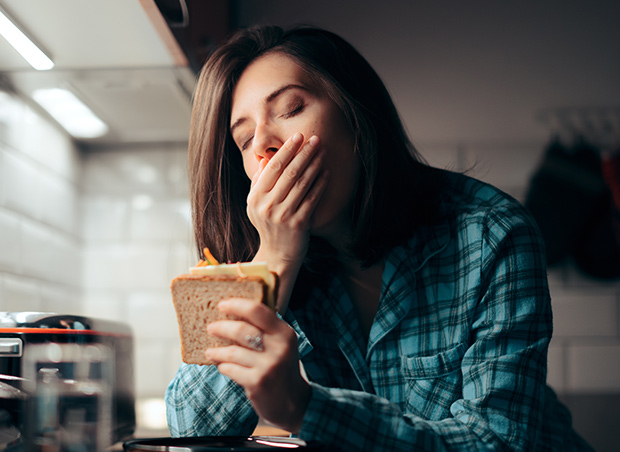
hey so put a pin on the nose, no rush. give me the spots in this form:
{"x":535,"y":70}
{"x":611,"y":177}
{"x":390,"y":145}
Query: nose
{"x":266,"y":142}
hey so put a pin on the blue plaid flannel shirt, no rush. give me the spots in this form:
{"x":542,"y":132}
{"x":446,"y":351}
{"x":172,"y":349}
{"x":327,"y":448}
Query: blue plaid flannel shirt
{"x":457,"y":354}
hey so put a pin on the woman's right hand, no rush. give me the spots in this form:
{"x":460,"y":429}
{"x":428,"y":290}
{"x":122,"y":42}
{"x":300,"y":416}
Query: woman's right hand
{"x":284,"y":194}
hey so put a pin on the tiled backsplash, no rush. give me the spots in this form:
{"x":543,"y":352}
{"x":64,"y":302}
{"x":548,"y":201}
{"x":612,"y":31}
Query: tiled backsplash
{"x":40,"y":243}
{"x":137,"y":237}
{"x":102,"y":233}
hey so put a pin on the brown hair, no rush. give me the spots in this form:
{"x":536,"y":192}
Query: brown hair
{"x":396,"y":190}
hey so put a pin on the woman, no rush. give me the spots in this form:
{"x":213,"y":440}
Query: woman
{"x":414,"y":312}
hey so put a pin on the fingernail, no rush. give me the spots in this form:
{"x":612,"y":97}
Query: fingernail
{"x":314,"y":140}
{"x":297,"y":138}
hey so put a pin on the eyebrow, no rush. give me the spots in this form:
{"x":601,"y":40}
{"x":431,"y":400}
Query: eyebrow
{"x":269,"y":99}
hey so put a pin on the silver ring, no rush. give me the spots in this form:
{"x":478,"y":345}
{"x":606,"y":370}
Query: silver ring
{"x":255,"y":342}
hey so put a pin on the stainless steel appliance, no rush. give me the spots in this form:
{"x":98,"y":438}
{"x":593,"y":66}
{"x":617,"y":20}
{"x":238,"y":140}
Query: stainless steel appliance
{"x":24,"y":334}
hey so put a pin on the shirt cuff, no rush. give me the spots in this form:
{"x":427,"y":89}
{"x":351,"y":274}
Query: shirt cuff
{"x":329,"y":421}
{"x":315,"y":423}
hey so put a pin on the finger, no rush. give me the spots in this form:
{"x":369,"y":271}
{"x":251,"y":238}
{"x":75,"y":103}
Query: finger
{"x":232,"y":354}
{"x":306,"y":182}
{"x":242,"y":375}
{"x":312,"y":198}
{"x":257,"y":314}
{"x":295,"y":171}
{"x":273,"y":169}
{"x":234,"y":330}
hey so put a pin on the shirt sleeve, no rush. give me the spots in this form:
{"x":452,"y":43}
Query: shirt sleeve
{"x":202,"y":402}
{"x":503,"y":369}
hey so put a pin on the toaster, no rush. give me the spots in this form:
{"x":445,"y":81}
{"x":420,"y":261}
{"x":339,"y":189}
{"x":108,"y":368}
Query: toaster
{"x":24,"y":334}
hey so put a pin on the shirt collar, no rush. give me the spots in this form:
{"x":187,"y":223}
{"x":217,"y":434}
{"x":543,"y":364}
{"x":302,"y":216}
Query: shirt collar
{"x":304,"y":344}
{"x":406,"y":259}
{"x":400,"y":277}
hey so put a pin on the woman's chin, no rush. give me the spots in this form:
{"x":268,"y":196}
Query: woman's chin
{"x":319,"y":229}
{"x":335,"y":232}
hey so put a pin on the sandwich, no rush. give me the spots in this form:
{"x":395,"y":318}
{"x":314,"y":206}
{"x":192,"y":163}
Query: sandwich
{"x":196,"y":295}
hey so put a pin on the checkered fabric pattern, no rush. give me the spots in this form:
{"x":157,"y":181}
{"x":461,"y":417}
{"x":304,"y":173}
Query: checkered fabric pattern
{"x":456,"y":357}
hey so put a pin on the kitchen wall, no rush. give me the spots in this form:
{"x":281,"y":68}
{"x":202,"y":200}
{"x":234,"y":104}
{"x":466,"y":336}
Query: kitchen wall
{"x":94,"y":233}
{"x":40,"y":240}
{"x":137,"y":238}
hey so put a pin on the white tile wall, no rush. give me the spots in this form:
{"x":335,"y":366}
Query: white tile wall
{"x":158,"y":171}
{"x":9,"y":241}
{"x":160,"y":313}
{"x":60,"y":298}
{"x":40,"y":249}
{"x":20,"y":293}
{"x":104,"y":303}
{"x":156,"y":364}
{"x":167,"y":220}
{"x":125,"y":266}
{"x":57,"y":203}
{"x":104,"y":218}
{"x":20,"y":178}
{"x":585,"y":315}
{"x":593,"y":367}
{"x":586,"y":339}
{"x":45,"y":144}
{"x":555,"y":370}
{"x":13,"y":120}
{"x":137,"y":237}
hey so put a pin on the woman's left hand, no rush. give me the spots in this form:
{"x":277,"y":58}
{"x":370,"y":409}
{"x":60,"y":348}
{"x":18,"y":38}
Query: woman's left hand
{"x":269,"y":373}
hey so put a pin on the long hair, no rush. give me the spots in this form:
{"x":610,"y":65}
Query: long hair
{"x":396,"y":189}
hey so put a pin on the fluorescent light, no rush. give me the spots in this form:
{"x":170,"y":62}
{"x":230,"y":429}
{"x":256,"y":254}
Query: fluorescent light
{"x":26,"y":48}
{"x":70,"y":112}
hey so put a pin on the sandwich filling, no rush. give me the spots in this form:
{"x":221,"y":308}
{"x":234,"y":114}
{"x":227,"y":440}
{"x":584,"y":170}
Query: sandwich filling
{"x":242,"y":270}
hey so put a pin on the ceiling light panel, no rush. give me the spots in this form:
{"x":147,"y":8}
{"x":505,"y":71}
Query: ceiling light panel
{"x":73,"y":115}
{"x":24,"y":46}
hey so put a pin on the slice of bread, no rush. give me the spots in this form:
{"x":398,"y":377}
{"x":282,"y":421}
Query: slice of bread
{"x":195,"y":299}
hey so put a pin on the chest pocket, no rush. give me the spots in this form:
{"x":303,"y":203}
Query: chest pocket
{"x":433,"y":382}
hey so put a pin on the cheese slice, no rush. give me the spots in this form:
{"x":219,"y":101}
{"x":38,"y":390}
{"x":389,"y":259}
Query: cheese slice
{"x":242,"y":270}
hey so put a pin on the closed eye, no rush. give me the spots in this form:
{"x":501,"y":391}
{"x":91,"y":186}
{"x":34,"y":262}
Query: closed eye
{"x":247,"y":143}
{"x":298,"y":108}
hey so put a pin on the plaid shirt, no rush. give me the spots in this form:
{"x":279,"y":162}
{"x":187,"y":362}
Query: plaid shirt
{"x":457,"y":354}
